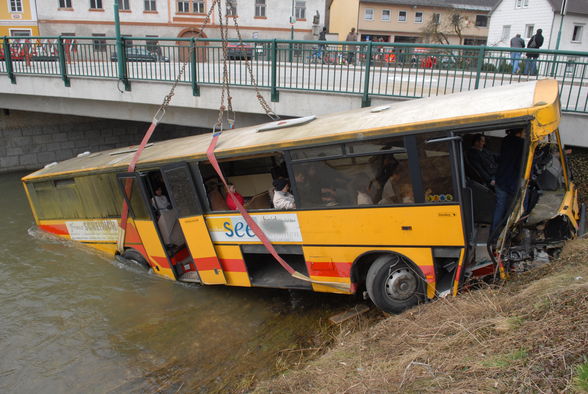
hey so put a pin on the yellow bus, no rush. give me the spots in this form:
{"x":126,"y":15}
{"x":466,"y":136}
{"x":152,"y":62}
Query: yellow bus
{"x":387,"y":203}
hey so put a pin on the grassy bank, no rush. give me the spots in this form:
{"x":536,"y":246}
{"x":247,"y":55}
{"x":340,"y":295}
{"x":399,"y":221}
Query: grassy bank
{"x":529,"y":335}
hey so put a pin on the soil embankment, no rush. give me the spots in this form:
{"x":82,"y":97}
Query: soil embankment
{"x":528,"y":335}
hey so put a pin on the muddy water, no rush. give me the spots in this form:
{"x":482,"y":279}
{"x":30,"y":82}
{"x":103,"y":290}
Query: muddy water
{"x":72,"y":320}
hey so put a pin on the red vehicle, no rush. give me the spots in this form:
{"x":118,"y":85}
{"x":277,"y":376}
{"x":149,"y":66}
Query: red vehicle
{"x":240,"y":51}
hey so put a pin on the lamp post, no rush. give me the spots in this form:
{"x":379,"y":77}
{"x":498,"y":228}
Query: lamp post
{"x":292,"y":21}
{"x":122,"y":75}
{"x":562,"y":14}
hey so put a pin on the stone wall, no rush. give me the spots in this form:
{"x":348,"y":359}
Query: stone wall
{"x":29,"y":140}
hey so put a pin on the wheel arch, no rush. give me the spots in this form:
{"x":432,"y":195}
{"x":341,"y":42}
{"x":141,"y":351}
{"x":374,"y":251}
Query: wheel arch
{"x":364,"y":261}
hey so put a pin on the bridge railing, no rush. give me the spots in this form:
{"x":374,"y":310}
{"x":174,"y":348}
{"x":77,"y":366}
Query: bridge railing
{"x":369,"y":69}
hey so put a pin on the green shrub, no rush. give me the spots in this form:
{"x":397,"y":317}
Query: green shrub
{"x":489,"y":67}
{"x":581,"y":378}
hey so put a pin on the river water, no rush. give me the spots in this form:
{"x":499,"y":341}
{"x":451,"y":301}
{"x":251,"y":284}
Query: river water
{"x":73,"y":320}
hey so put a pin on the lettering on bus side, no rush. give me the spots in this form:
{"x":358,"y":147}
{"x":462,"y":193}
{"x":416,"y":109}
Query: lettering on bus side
{"x":278,"y":228}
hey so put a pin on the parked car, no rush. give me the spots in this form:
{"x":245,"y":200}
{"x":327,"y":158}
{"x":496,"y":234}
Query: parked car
{"x":240,"y":51}
{"x":137,"y":54}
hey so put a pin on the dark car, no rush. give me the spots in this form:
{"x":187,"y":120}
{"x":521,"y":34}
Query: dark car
{"x":141,"y":55}
{"x":240,"y":51}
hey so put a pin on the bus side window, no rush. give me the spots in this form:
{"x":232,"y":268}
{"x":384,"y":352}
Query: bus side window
{"x":435,"y":163}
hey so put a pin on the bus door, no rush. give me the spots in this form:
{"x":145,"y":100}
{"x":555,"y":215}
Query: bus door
{"x":184,"y":198}
{"x":133,"y":186}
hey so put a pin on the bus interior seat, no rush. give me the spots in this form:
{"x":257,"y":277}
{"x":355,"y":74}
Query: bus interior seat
{"x":484,"y":201}
{"x":169,"y":227}
{"x":252,"y":184}
{"x":260,"y":201}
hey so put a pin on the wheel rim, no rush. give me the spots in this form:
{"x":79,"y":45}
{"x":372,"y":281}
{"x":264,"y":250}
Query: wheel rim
{"x":401,"y":284}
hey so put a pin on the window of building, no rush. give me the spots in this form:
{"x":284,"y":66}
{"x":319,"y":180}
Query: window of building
{"x":522,"y":4}
{"x":300,"y":9}
{"x":99,"y":44}
{"x":198,"y":7}
{"x":505,"y":33}
{"x":418,"y":17}
{"x":124,"y":5}
{"x":368,"y":14}
{"x":481,"y":20}
{"x":231,"y":8}
{"x":577,"y":33}
{"x":401,"y":16}
{"x":386,"y":15}
{"x":436,"y":18}
{"x":150,"y":5}
{"x":183,"y":6}
{"x":95,"y":4}
{"x":64,"y":3}
{"x":20,"y":32}
{"x":15,"y":5}
{"x":260,"y":8}
{"x":529,"y":30}
{"x":474,"y":41}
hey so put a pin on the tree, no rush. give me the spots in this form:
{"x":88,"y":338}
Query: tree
{"x":438,"y":32}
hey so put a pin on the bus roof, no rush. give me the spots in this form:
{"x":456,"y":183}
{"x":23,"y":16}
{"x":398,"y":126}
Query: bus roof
{"x":484,"y":105}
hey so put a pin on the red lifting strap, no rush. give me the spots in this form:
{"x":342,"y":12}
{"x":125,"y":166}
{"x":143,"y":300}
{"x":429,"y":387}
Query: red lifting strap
{"x":125,"y":208}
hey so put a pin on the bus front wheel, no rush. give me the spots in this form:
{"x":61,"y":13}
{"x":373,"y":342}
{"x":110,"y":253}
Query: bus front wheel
{"x":393,"y":285}
{"x":135,"y":257}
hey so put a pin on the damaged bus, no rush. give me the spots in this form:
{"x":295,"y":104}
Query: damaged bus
{"x":387,"y":204}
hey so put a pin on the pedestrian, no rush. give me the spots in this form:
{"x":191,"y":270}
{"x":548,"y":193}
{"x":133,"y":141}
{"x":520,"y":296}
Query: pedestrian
{"x":352,"y":36}
{"x":516,"y":42}
{"x":322,"y":37}
{"x":534,"y":43}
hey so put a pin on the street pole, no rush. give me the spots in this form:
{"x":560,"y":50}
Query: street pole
{"x":562,"y":13}
{"x":122,"y":75}
{"x":292,"y":20}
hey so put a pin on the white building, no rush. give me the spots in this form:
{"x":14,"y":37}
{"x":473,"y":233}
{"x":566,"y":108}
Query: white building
{"x":179,"y":18}
{"x":524,"y":17}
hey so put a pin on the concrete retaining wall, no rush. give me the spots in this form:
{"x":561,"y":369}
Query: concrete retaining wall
{"x":29,"y":140}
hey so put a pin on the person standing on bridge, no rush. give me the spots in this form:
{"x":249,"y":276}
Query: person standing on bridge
{"x":516,"y":42}
{"x":535,"y":42}
{"x":352,"y":36}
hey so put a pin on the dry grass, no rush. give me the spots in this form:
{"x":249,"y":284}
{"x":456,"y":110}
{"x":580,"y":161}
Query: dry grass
{"x":530,"y":335}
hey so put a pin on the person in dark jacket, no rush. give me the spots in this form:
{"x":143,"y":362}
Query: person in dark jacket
{"x":482,"y":160}
{"x":534,"y":43}
{"x":507,"y":173}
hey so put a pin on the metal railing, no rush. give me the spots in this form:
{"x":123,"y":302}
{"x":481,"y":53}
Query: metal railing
{"x":368,"y":69}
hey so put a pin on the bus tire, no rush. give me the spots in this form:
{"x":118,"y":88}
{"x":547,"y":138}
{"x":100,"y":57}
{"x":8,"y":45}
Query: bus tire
{"x":134,"y":256}
{"x":394,"y":285}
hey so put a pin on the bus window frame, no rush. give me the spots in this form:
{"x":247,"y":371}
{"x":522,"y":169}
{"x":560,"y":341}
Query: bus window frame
{"x":410,"y":148}
{"x":138,"y":177}
{"x":171,"y":194}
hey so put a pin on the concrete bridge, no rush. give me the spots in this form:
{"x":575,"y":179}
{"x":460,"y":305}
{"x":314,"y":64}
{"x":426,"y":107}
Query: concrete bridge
{"x":106,"y":99}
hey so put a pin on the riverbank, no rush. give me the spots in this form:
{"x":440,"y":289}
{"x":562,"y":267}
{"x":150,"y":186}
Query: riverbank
{"x":530,"y":334}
